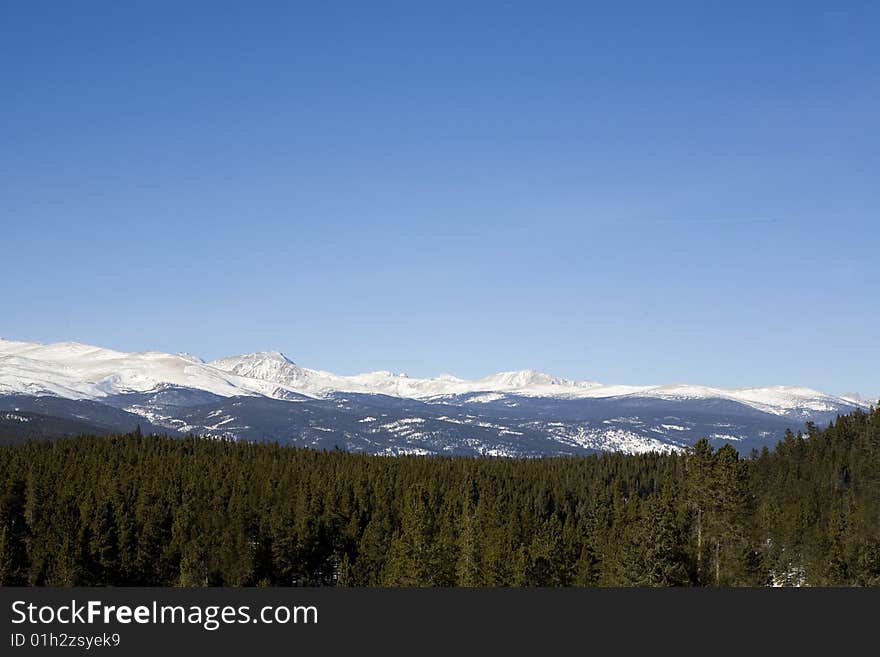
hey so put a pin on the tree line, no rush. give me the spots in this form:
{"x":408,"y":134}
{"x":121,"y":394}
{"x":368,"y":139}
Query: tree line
{"x":150,"y":510}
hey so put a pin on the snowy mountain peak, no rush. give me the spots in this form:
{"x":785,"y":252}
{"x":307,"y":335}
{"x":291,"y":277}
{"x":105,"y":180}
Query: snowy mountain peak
{"x":527,"y":378}
{"x":271,"y":366}
{"x":261,"y":357}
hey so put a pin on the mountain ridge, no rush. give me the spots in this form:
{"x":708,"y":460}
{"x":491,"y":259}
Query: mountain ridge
{"x":143,"y":371}
{"x":267,"y":396}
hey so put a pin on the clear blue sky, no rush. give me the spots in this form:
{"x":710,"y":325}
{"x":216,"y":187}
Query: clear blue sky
{"x":635,"y":192}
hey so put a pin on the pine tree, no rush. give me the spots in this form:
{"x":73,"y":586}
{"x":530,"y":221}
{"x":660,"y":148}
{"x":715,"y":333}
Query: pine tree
{"x":418,"y":556}
{"x":468,"y":570}
{"x":698,"y":468}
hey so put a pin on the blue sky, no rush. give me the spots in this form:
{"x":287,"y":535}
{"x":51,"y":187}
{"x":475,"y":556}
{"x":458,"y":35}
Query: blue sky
{"x":634,"y":192}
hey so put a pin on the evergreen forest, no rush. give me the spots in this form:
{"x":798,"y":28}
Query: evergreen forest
{"x":150,"y":510}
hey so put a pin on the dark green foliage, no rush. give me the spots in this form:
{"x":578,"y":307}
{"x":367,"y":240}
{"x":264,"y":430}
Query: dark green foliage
{"x":145,"y":510}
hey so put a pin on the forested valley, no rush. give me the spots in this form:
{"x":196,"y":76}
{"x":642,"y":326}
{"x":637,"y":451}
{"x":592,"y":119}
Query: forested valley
{"x":149,"y":510}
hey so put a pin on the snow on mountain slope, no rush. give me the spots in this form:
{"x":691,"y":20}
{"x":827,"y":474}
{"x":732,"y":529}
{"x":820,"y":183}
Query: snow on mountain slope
{"x":277,"y":368}
{"x":860,"y":400}
{"x":779,"y":400}
{"x":78,"y":371}
{"x":270,"y":366}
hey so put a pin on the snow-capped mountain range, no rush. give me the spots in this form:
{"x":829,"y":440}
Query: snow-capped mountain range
{"x":267,"y":396}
